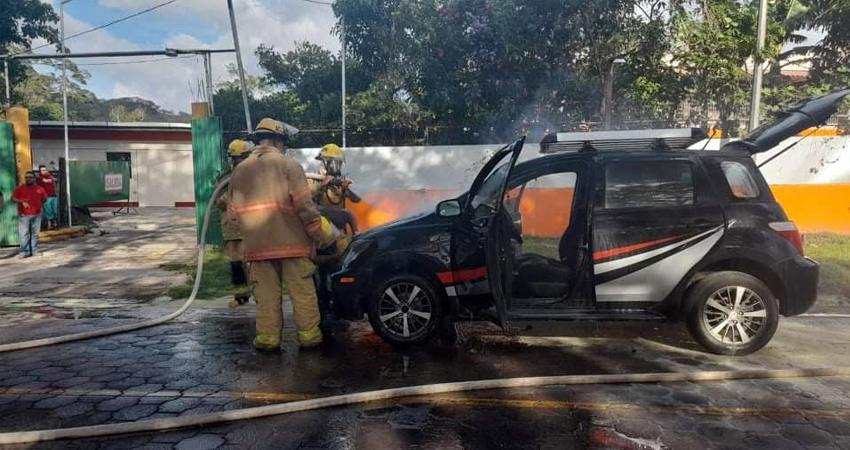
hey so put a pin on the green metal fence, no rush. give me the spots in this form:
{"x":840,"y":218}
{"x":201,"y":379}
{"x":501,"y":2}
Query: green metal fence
{"x":94,"y":182}
{"x":207,"y":151}
{"x":8,"y":180}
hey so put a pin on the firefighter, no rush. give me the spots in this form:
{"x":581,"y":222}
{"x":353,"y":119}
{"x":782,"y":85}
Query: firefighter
{"x":331,"y":190}
{"x":281,"y":229}
{"x":238,"y":150}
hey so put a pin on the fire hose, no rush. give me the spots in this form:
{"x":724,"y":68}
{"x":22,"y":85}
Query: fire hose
{"x":154,"y":425}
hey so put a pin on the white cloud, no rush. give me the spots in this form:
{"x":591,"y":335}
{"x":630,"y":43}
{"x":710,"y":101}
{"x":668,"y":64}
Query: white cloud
{"x":279,"y":23}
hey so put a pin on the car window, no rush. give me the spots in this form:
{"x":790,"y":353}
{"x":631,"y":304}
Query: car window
{"x":631,"y":184}
{"x":541,"y":210}
{"x":490,"y":191}
{"x":740,"y":179}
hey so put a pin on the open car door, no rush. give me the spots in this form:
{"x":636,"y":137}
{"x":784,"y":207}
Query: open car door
{"x":485,"y":208}
{"x":806,"y":114}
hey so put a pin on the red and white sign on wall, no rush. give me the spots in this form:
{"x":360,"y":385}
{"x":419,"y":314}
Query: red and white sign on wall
{"x":113,"y":182}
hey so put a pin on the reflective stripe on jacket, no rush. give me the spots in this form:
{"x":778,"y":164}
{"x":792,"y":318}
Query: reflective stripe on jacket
{"x":277,"y":217}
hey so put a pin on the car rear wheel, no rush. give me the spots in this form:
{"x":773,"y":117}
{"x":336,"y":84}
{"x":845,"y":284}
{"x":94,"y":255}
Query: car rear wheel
{"x":405,"y":309}
{"x":732,"y":313}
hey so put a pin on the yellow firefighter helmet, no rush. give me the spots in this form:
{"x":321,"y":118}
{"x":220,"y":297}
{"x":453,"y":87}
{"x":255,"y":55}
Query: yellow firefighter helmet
{"x":271,"y":126}
{"x":332,"y":158}
{"x":238,"y":147}
{"x":331,"y":151}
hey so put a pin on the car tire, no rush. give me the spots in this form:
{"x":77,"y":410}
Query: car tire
{"x":715,"y":324}
{"x":417,"y":299}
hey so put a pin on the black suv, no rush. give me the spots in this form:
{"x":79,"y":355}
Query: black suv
{"x":612,"y":225}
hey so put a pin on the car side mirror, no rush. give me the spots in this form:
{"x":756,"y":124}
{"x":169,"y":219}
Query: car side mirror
{"x":449,"y":208}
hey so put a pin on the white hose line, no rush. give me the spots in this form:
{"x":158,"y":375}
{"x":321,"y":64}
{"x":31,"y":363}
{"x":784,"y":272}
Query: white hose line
{"x":146,"y":426}
{"x":135,"y":326}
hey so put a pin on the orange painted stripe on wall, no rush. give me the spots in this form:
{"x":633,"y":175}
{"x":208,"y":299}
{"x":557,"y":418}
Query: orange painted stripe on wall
{"x":545,"y":212}
{"x":816,"y":208}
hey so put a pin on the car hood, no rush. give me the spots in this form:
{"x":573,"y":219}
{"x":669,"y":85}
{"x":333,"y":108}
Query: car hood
{"x":415,"y":219}
{"x":806,"y":114}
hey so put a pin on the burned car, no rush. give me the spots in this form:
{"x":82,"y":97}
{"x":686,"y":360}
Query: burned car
{"x":610,"y":225}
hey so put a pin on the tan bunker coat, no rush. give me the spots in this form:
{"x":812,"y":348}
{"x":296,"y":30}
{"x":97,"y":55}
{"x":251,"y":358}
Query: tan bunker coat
{"x":279,"y":224}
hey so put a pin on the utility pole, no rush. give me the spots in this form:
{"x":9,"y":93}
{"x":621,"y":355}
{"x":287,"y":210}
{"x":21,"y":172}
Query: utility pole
{"x":65,"y":109}
{"x":758,"y":66}
{"x":6,"y":77}
{"x":608,"y":94}
{"x":342,"y":28}
{"x":239,"y":65}
{"x":208,"y":76}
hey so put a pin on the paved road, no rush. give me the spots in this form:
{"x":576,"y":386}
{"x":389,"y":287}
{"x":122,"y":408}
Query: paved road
{"x":120,"y":259}
{"x":204,"y":362}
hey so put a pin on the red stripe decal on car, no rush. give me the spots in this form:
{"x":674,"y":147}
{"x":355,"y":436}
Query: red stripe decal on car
{"x":458,"y":276}
{"x":605,"y":254}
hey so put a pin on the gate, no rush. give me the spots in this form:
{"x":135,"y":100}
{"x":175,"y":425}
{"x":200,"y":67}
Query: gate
{"x":8,"y":181}
{"x":207,"y":157}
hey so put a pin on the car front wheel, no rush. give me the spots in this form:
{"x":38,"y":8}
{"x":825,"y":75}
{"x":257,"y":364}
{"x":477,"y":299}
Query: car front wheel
{"x":732,"y":313}
{"x":405,"y":309}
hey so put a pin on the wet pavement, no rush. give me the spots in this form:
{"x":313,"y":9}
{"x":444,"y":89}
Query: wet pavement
{"x":203,"y":362}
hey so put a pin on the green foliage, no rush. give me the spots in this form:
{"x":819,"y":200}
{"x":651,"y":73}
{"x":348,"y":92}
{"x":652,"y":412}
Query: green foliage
{"x":22,"y":22}
{"x":120,"y":113}
{"x":715,"y":40}
{"x":832,"y":251}
{"x":487,"y":70}
{"x":215,"y":281}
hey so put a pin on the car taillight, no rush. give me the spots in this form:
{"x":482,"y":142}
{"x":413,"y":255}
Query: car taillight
{"x":789,"y":231}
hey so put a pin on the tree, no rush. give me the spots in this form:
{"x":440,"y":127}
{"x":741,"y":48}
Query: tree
{"x":120,"y":113}
{"x":255,"y":84}
{"x":21,"y":22}
{"x":716,"y":38}
{"x":827,"y":58}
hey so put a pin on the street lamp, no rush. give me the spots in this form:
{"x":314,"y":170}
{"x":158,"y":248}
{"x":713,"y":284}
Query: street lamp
{"x":65,"y":106}
{"x":609,"y":93}
{"x":758,"y":65}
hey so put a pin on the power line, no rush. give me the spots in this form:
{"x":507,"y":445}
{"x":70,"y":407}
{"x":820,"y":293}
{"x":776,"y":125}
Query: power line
{"x":91,"y":30}
{"x":138,"y":62}
{"x":318,"y":2}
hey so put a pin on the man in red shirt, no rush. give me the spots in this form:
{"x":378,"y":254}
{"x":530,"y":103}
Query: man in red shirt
{"x":30,"y":198}
{"x":47,"y":182}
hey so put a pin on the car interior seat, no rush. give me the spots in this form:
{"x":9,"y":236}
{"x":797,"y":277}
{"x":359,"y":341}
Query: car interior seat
{"x":538,"y":276}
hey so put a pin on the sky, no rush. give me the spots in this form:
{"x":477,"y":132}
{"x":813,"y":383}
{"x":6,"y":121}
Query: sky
{"x":184,"y":24}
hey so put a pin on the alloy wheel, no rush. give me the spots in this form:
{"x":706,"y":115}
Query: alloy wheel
{"x":405,"y":309}
{"x":734,"y":315}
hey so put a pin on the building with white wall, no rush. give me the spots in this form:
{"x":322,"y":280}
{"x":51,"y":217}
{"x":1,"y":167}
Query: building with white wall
{"x":160,"y":155}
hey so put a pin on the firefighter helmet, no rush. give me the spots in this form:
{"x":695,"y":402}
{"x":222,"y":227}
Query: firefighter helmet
{"x":238,"y":147}
{"x":332,"y":158}
{"x":274,"y":127}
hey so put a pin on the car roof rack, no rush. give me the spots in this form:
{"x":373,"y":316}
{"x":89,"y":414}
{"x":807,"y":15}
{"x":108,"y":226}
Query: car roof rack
{"x":629,"y":140}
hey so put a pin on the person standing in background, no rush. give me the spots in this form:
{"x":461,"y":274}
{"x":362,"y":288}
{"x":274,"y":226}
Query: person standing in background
{"x":238,"y":150}
{"x":30,"y":198}
{"x":48,"y":182}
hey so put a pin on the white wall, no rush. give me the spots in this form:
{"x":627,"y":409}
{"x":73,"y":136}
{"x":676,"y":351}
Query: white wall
{"x":161,"y":171}
{"x":393,"y":168}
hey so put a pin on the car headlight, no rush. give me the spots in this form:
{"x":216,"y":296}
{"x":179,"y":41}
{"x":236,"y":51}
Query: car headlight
{"x":357,"y":249}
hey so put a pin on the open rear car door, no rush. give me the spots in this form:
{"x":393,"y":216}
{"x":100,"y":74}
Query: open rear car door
{"x":485,"y":209}
{"x":804,"y":115}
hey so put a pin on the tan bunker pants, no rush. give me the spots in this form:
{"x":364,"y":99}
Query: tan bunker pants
{"x":297,"y":274}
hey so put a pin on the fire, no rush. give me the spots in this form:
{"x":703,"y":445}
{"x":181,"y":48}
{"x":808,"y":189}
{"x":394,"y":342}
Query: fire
{"x":371,"y":215}
{"x":380,"y":207}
